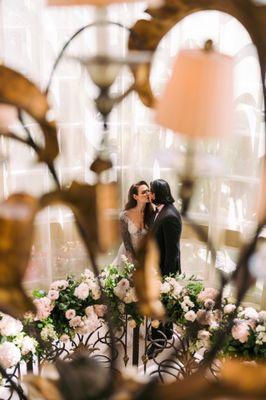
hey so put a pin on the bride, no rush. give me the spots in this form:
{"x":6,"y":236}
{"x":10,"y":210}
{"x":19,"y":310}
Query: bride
{"x":135,"y":221}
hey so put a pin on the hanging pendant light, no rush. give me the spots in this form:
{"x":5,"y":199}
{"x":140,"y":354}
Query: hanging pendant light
{"x":198,"y":99}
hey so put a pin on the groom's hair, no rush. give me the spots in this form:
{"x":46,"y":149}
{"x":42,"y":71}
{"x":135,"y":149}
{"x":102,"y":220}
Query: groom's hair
{"x":162,"y":192}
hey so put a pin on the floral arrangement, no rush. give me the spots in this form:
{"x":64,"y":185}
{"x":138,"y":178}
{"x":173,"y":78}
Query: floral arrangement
{"x":248,"y":335}
{"x":74,"y":306}
{"x":15,"y":344}
{"x":70,"y":307}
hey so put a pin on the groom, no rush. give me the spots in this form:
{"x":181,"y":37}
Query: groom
{"x":167,"y":227}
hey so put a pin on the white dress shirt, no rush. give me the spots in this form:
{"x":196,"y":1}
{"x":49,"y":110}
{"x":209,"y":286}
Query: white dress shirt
{"x":159,"y":208}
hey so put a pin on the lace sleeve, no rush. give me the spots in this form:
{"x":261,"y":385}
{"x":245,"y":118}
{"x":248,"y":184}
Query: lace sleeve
{"x":126,"y":236}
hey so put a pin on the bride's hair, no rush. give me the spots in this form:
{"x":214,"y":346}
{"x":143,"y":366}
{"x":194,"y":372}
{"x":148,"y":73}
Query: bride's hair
{"x":131,"y":202}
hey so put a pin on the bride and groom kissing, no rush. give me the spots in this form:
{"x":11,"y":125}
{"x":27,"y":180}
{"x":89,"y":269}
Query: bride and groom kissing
{"x":145,"y":205}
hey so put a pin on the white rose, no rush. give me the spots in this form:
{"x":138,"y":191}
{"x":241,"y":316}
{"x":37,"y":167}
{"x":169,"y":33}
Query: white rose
{"x":10,"y":355}
{"x":48,"y":332}
{"x":260,"y":328}
{"x":262,"y":315}
{"x":177,"y":289}
{"x":184,"y":306}
{"x":28,"y":345}
{"x":10,"y":326}
{"x":250,"y":313}
{"x":190,"y":316}
{"x":188,"y":302}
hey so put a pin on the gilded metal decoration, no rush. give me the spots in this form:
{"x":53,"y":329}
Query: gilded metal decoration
{"x":18,"y":91}
{"x":16,"y":233}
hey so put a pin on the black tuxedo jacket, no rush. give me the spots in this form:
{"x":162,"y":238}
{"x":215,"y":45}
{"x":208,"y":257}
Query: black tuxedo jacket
{"x":167,"y":230}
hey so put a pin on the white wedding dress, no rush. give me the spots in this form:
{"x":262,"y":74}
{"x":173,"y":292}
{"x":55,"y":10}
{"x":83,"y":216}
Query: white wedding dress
{"x":131,"y":236}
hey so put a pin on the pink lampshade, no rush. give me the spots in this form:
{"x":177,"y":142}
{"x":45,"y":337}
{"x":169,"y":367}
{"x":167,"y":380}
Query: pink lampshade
{"x":198,"y":99}
{"x":8,"y":116}
{"x":86,"y":2}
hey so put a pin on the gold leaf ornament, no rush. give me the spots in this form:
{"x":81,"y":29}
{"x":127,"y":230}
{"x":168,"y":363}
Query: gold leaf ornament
{"x":17,"y":215}
{"x":18,"y":91}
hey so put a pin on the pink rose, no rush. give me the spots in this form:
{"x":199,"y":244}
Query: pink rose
{"x":82,"y":291}
{"x":190,"y":316}
{"x":206,"y":294}
{"x":229,"y":308}
{"x":64,"y":338}
{"x":59,"y":285}
{"x":251,"y":323}
{"x":43,"y":306}
{"x":88,"y":325}
{"x":240,"y":332}
{"x":75,"y":322}
{"x":100,"y":310}
{"x":209,"y":304}
{"x":70,"y":313}
{"x":89,"y":311}
{"x":203,"y":317}
{"x":217,"y":315}
{"x":203,"y":335}
{"x":53,"y":294}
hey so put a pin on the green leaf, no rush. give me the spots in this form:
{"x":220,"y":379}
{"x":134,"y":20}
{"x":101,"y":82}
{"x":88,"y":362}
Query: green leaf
{"x":38,"y":294}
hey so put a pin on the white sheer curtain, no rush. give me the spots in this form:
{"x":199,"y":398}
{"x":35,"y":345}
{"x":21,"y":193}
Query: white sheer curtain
{"x":31,"y":36}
